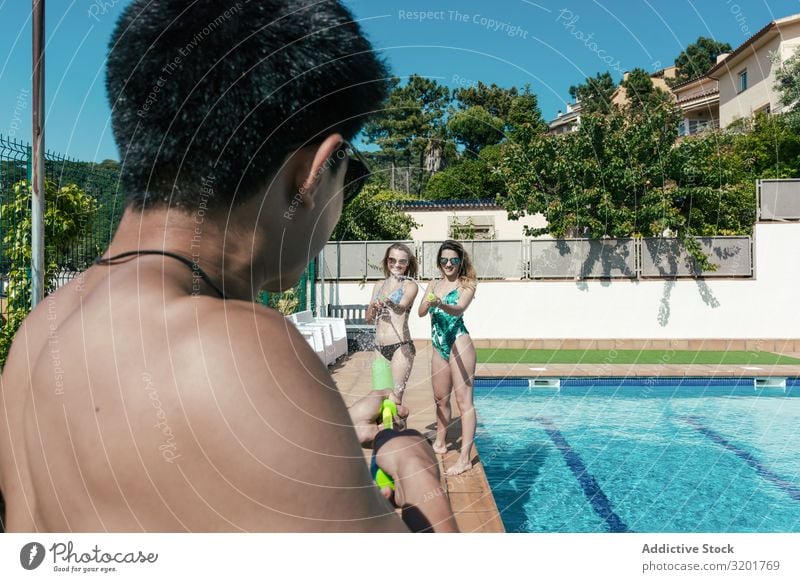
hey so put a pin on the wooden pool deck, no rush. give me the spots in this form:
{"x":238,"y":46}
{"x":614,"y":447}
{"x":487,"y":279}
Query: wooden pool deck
{"x":470,"y":496}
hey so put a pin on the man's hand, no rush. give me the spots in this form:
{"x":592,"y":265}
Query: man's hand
{"x":365,"y":414}
{"x":408,"y":458}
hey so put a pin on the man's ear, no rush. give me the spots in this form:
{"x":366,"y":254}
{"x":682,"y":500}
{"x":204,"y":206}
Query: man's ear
{"x":324,"y":159}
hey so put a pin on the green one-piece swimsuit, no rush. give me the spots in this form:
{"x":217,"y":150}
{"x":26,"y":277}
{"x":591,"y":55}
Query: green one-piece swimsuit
{"x":445,"y":328}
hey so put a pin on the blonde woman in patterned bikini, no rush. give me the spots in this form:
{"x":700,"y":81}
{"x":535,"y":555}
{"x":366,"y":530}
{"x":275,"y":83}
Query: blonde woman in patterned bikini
{"x":391,"y":303}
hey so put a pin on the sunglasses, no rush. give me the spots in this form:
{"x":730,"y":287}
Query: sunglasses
{"x":356,"y":175}
{"x":455,"y":261}
{"x":401,"y":262}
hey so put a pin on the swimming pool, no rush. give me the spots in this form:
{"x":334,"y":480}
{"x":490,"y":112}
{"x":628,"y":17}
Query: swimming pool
{"x":642,"y":454}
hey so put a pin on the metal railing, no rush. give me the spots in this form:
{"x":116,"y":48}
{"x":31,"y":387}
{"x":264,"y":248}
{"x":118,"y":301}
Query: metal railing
{"x":778,"y":199}
{"x":666,"y":258}
{"x":583,"y":258}
{"x":622,"y":258}
{"x":357,"y":260}
{"x":100,"y":182}
{"x":493,"y":259}
{"x":695,"y":126}
{"x":628,"y":258}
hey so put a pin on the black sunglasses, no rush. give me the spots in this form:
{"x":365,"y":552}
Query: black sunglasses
{"x":357,"y":173}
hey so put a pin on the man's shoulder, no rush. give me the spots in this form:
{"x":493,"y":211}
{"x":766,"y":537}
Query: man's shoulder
{"x":254,"y":341}
{"x":247,"y":358}
{"x":240,"y":322}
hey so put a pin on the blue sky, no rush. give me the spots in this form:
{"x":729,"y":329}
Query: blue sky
{"x":549,"y":45}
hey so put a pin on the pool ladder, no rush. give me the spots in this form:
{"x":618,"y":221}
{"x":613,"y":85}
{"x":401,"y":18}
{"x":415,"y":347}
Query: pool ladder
{"x":770,"y":384}
{"x":544,"y":384}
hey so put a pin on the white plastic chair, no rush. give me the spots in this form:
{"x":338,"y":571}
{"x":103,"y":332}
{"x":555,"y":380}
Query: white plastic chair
{"x":339,"y":333}
{"x":315,"y":339}
{"x":305,"y":320}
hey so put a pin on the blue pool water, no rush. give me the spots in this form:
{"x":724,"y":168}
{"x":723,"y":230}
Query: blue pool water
{"x":644,"y":455}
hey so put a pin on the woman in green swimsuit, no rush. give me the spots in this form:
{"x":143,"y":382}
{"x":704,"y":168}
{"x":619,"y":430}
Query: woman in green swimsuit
{"x":453,"y":360}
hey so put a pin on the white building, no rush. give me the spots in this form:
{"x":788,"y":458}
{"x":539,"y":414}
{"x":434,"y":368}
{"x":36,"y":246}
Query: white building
{"x":566,"y":122}
{"x":699,"y":102}
{"x":739,"y":85}
{"x":466,"y":219}
{"x":747,"y":75}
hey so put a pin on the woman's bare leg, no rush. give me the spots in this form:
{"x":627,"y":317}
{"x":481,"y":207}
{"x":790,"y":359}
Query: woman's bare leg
{"x":402,"y":362}
{"x":442,"y":386}
{"x":462,"y":368}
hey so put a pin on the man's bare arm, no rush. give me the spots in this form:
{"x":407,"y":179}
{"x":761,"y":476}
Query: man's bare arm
{"x":266,"y":442}
{"x":409,"y":459}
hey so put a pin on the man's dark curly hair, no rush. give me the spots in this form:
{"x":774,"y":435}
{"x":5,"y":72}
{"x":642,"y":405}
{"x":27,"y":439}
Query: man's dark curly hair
{"x":224,"y":89}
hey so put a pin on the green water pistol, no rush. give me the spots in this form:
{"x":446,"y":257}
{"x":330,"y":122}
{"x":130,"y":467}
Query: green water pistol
{"x":382,"y":379}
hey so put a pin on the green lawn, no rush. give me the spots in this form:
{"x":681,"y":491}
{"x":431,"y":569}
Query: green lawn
{"x":508,"y":356}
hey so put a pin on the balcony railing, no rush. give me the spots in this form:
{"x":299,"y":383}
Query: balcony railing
{"x":693,"y":126}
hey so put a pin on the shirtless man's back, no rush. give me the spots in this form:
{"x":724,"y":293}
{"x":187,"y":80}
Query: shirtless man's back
{"x":151,"y":393}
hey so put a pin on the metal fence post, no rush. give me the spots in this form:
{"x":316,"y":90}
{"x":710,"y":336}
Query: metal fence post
{"x":38,"y":189}
{"x":312,"y":267}
{"x":637,"y":257}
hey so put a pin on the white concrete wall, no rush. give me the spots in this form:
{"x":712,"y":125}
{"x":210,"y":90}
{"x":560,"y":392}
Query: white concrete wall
{"x":766,"y":306}
{"x":760,"y":77}
{"x":433,"y":224}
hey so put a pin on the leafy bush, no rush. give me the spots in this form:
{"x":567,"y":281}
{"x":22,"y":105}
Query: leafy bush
{"x":373,"y":215}
{"x":69,"y":212}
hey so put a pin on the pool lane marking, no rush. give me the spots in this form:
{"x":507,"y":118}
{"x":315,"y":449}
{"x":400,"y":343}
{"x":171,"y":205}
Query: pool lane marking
{"x":591,"y":488}
{"x":760,"y":469}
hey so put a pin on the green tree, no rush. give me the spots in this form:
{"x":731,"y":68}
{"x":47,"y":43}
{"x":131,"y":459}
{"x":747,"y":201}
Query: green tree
{"x":496,"y":100}
{"x":595,"y":94}
{"x":485,"y":117}
{"x":768,"y":146}
{"x":608,"y":178}
{"x":508,"y":108}
{"x":110,"y":165}
{"x":698,"y":58}
{"x":524,"y":111}
{"x":373,"y":215}
{"x":471,"y":178}
{"x":69,"y":212}
{"x":713,"y":187}
{"x":411,"y":121}
{"x":475,"y":128}
{"x":787,"y":84}
{"x":641,"y":93}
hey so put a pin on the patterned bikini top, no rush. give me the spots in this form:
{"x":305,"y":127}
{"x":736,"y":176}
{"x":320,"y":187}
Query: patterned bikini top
{"x":397,"y":295}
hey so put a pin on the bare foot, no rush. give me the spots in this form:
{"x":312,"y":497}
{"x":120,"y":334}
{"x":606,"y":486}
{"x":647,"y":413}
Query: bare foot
{"x":461,"y":466}
{"x":439,"y":448}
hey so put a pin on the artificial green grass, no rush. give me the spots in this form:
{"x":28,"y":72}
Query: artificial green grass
{"x":510,"y":356}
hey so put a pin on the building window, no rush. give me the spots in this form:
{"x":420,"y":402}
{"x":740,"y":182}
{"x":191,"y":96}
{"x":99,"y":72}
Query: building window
{"x":471,"y":227}
{"x":743,"y":81}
